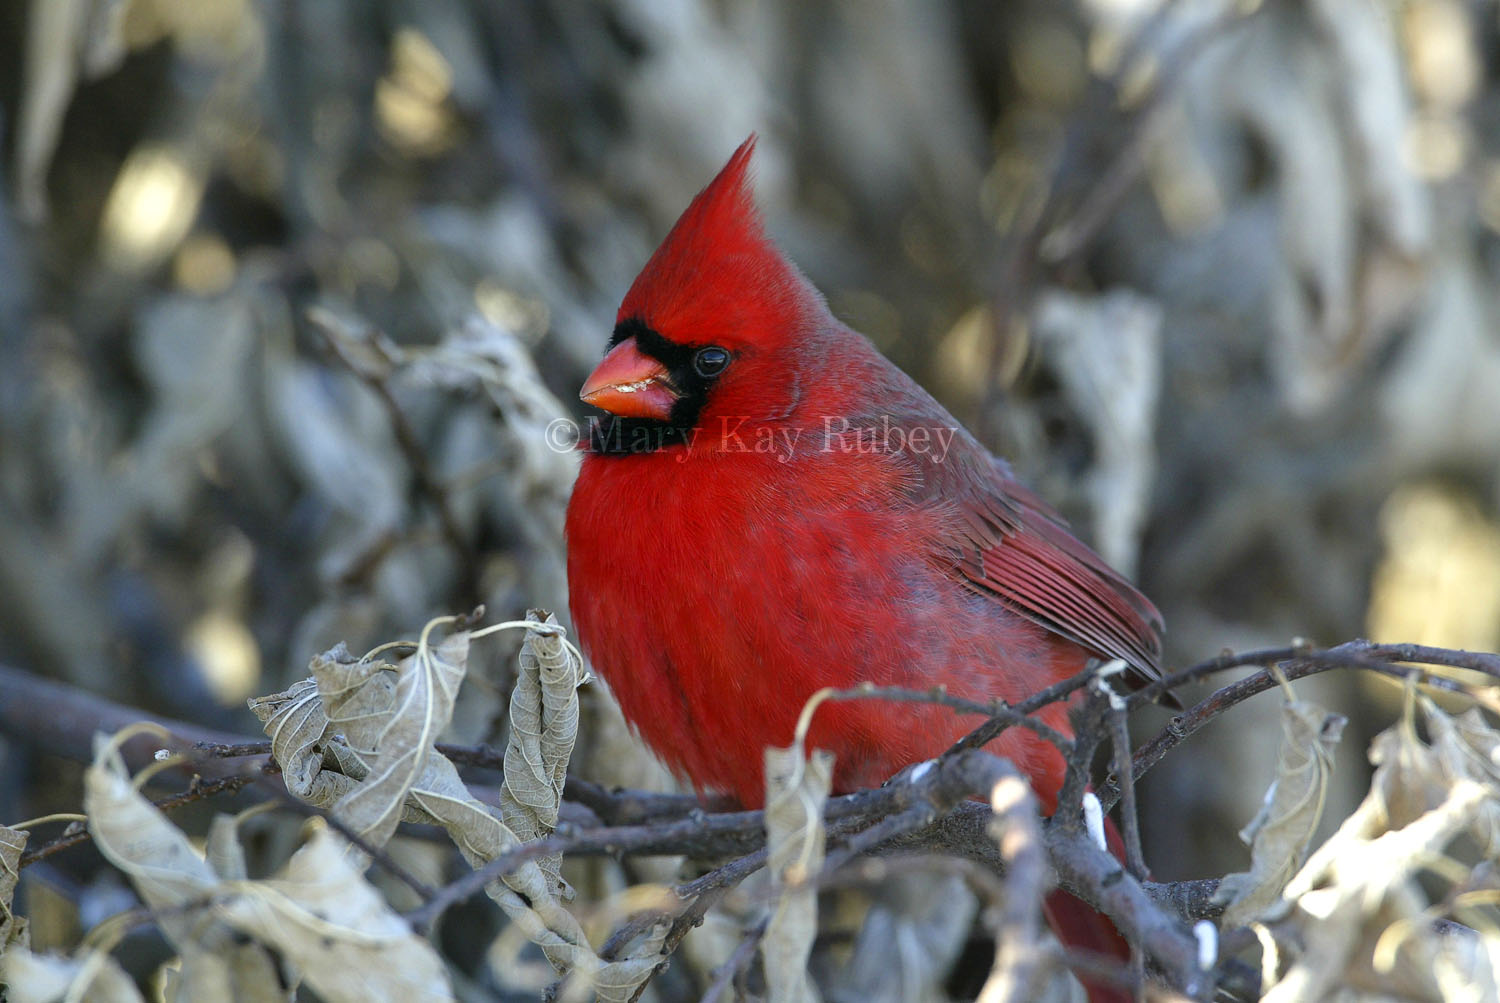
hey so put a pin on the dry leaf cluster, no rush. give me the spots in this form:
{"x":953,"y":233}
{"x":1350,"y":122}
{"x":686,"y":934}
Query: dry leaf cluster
{"x":1400,"y":899}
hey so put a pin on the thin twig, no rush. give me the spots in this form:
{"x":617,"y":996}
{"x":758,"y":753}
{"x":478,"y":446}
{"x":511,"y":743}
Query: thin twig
{"x":198,"y":790}
{"x":911,"y":819}
{"x":378,"y":855}
{"x":1219,"y":663}
{"x":1295,"y":663}
{"x":705,"y":834}
{"x":1130,"y":820}
{"x":997,"y":711}
{"x":704,"y":893}
{"x":1009,"y":715}
{"x":1088,"y":726}
{"x":736,"y":964}
{"x":225,"y":750}
{"x":620,"y":806}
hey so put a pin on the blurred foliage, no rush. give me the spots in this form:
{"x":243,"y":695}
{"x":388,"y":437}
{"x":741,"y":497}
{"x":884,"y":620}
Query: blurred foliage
{"x":1220,"y":278}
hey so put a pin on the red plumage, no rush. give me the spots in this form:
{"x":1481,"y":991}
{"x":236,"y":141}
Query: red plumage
{"x":809,"y":516}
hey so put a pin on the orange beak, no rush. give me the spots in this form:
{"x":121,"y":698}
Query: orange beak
{"x":630,"y":384}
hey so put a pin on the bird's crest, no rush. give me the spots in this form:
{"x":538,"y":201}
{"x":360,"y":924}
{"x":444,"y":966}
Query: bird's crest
{"x":717,"y":278}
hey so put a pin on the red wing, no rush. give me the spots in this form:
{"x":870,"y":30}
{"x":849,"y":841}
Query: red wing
{"x":1009,"y":544}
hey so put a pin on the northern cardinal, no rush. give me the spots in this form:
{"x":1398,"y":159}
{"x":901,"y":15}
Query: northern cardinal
{"x":771,"y":507}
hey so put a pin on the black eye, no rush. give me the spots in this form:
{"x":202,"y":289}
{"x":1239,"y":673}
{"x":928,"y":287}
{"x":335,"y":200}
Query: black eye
{"x":710,"y":361}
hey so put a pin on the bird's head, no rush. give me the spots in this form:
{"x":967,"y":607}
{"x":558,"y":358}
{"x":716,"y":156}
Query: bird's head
{"x":710,"y":328}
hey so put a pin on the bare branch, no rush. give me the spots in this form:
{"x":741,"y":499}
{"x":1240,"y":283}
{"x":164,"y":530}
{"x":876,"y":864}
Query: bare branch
{"x":923,"y":809}
{"x":1017,"y":832}
{"x":198,"y":790}
{"x":1296,"y":663}
{"x":1130,"y":819}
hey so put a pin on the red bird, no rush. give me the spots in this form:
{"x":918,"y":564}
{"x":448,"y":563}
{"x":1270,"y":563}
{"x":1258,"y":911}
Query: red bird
{"x":771,"y":507}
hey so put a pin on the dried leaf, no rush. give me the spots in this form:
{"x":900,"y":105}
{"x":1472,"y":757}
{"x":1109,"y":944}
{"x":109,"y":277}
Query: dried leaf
{"x":796,"y":790}
{"x":1281,"y":833}
{"x":334,"y":926}
{"x":12,"y":927}
{"x":1319,"y":87}
{"x":543,"y":729}
{"x":1359,"y":913}
{"x":1467,"y":967}
{"x":93,"y":977}
{"x":1367,"y":60}
{"x":153,"y":853}
{"x":365,"y":729}
{"x":391,"y":729}
{"x":67,"y":38}
{"x":197,"y":391}
{"x":170,"y":876}
{"x":338,"y":437}
{"x":223,"y":851}
{"x":1468,"y":748}
{"x":1413,"y":778}
{"x":298,"y":729}
{"x":372,"y":722}
{"x":1450,"y":350}
{"x":1107,"y":352}
{"x":252,"y":971}
{"x":502,"y":366}
{"x":1350,"y":895}
{"x":529,"y":894}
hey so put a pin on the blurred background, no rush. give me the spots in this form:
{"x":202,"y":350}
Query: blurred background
{"x":289,"y":292}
